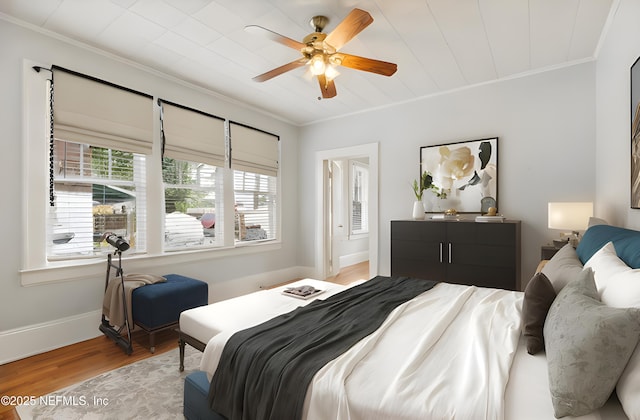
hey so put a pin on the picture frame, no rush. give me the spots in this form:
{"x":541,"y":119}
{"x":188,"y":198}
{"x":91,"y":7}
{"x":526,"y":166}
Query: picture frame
{"x":635,"y":134}
{"x":466,"y":172}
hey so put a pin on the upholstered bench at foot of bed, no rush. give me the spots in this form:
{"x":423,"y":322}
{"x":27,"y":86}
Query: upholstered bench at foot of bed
{"x":158,"y":306}
{"x":196,"y":390}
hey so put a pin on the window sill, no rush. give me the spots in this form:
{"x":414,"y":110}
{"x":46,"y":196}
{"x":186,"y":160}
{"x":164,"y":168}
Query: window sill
{"x":358,"y":236}
{"x":64,"y":271}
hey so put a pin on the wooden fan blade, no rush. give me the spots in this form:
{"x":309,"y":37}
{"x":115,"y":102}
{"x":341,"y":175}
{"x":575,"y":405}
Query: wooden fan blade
{"x":366,"y":64}
{"x":327,"y":87}
{"x":279,"y":70}
{"x":350,"y":26}
{"x":274,"y":36}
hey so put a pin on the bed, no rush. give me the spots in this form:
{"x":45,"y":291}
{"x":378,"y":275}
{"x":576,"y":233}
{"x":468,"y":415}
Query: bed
{"x":459,"y":351}
{"x":199,"y":325}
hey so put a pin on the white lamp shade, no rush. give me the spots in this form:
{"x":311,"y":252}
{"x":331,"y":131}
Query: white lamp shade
{"x":570,"y":216}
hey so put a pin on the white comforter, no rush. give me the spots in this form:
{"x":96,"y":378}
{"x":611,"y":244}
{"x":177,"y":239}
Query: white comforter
{"x":445,"y":354}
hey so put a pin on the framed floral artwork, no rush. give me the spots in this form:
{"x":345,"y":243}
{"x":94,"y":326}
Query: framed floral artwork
{"x":464,"y":175}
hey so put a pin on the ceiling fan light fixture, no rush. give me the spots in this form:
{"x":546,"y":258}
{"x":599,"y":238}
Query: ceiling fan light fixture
{"x":318,"y":65}
{"x":331,"y":72}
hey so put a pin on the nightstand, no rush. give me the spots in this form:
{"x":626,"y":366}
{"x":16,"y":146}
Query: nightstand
{"x":548,"y":251}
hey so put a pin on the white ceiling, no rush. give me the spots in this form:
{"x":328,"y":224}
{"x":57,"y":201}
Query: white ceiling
{"x":438,"y":45}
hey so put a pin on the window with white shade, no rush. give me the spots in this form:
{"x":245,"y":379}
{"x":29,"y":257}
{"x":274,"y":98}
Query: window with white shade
{"x":95,"y":166}
{"x":254,"y":160}
{"x":192,"y":172}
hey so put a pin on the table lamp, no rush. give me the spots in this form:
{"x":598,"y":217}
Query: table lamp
{"x":573,"y":217}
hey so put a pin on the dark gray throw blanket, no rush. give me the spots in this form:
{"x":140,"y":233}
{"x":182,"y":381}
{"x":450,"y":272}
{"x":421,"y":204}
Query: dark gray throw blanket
{"x":264,"y":371}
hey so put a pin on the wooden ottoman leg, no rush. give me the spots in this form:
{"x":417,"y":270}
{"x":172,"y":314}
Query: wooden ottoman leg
{"x":152,"y":341}
{"x":181,"y":345}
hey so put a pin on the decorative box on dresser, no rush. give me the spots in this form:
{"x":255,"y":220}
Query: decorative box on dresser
{"x":457,"y":251}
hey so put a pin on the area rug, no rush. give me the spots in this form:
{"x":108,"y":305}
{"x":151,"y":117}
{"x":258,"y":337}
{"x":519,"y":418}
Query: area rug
{"x":149,"y":389}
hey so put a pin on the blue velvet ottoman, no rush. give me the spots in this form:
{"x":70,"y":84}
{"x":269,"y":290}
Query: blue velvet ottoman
{"x":196,"y":390}
{"x":158,"y":306}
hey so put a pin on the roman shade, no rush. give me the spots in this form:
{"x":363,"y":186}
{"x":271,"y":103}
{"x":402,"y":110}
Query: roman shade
{"x":192,"y":135}
{"x":253,"y":150}
{"x":91,"y":111}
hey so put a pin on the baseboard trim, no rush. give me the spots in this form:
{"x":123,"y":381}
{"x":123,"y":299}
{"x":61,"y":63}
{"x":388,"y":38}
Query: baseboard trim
{"x":38,"y":338}
{"x":355,"y":258}
{"x":34,"y":339}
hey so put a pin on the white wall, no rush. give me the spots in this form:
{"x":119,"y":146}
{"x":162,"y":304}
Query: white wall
{"x":546,"y":128}
{"x":46,"y":316}
{"x":613,"y":136}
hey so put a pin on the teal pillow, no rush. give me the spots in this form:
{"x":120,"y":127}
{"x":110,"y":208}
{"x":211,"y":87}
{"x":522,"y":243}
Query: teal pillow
{"x":588,"y":345}
{"x":626,"y":242}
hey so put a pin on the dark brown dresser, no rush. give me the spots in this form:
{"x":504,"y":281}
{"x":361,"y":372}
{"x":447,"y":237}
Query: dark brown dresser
{"x":457,"y":251}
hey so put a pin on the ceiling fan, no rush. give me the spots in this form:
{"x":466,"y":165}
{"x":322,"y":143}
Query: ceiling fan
{"x":320,"y":51}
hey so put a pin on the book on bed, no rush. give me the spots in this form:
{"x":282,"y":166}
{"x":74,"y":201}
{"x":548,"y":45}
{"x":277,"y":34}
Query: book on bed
{"x":302,"y":292}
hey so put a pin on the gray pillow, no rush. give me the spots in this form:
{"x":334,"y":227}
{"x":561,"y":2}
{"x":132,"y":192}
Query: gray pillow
{"x":563,"y":267}
{"x":588,"y":345}
{"x":593,"y":221}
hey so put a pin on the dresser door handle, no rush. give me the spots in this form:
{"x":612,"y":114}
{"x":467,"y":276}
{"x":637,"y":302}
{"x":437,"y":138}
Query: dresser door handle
{"x":441,"y":245}
{"x":449,"y":252}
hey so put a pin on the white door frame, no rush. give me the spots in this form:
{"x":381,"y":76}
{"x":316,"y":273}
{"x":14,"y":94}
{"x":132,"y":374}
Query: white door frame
{"x":369,"y":150}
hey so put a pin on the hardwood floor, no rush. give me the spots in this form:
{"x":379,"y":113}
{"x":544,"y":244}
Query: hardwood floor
{"x":44,"y":373}
{"x":352,"y":273}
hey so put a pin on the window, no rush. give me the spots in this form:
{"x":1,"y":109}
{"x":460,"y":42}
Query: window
{"x":97,"y":190}
{"x":97,"y":168}
{"x":254,"y":160}
{"x":255,"y":206}
{"x":96,"y":173}
{"x":193,"y":175}
{"x":359,"y":191}
{"x":190,"y":204}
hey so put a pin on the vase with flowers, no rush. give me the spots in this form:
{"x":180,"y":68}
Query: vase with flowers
{"x":419,"y":186}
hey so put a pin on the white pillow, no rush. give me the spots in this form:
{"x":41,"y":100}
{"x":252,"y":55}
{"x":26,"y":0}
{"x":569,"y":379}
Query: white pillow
{"x":622,"y":290}
{"x":606,"y":264}
{"x":619,"y":285}
{"x":628,"y":387}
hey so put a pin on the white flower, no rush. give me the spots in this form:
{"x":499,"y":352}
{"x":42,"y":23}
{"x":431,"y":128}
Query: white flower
{"x":454,"y":165}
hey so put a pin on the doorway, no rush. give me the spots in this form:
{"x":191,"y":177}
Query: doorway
{"x":339,"y":218}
